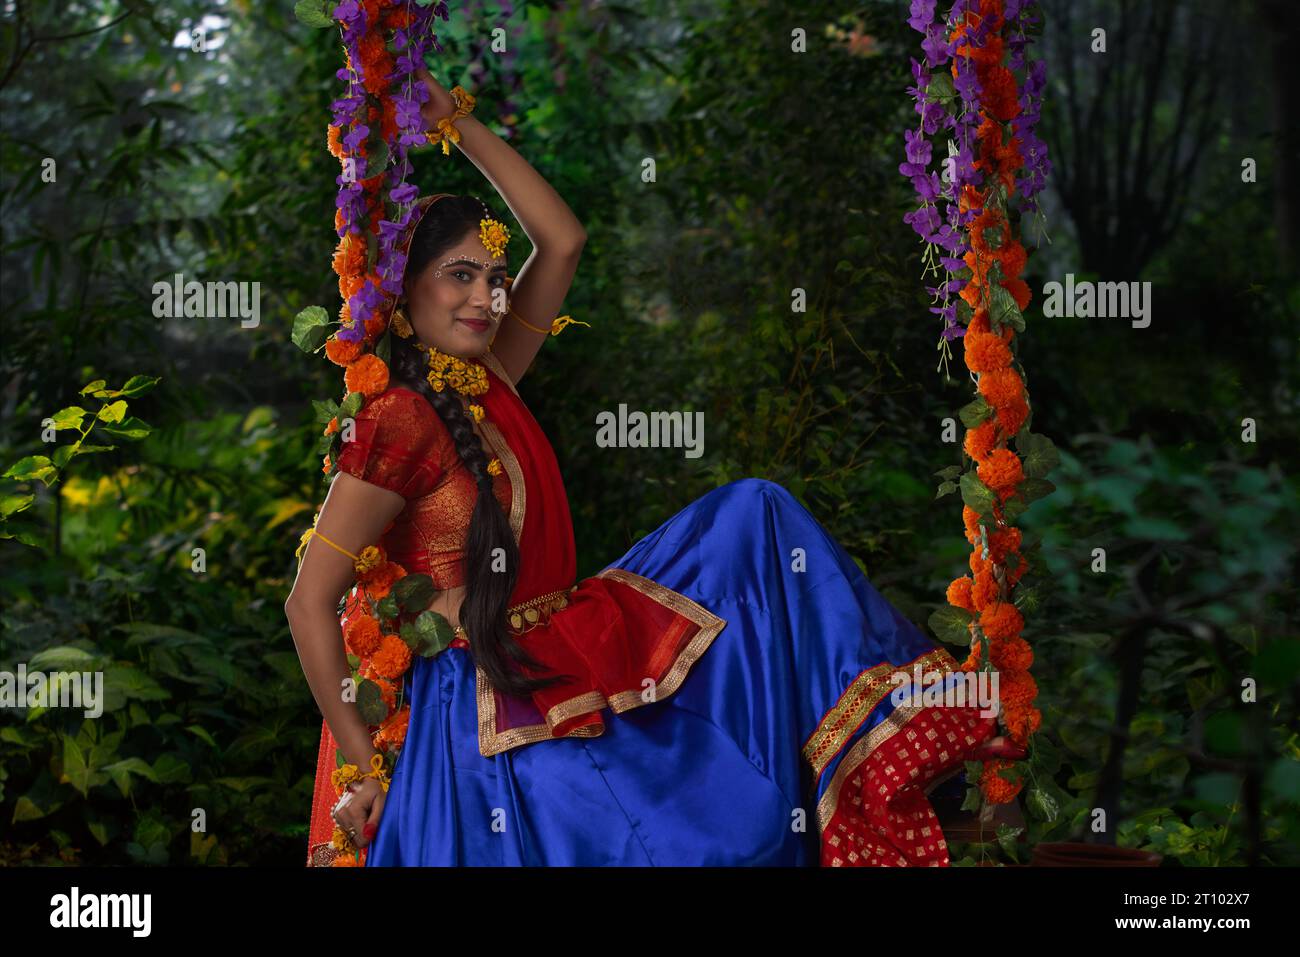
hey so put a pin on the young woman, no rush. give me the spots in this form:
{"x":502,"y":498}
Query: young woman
{"x":744,"y":657}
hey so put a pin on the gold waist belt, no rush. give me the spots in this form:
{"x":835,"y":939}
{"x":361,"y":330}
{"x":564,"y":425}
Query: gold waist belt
{"x":525,"y":617}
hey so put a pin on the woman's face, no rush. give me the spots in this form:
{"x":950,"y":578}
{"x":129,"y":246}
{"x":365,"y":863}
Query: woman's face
{"x":450,"y":303}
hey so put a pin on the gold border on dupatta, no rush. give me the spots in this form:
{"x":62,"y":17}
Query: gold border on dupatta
{"x":490,"y":360}
{"x":858,"y":701}
{"x":491,"y":742}
{"x":896,"y":721}
{"x":518,"y":491}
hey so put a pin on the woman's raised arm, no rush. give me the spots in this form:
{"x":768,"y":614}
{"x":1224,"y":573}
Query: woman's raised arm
{"x":557,"y":236}
{"x":355,"y":514}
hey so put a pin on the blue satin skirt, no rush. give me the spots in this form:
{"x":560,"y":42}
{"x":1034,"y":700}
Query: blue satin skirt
{"x":711,"y":775}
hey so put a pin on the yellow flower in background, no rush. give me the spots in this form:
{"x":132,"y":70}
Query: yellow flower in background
{"x":77,"y":492}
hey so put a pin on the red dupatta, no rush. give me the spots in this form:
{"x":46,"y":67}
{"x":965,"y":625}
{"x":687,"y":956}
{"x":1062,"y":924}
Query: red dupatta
{"x":617,"y":630}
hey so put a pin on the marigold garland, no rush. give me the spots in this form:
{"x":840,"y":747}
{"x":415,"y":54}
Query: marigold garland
{"x":992,"y":123}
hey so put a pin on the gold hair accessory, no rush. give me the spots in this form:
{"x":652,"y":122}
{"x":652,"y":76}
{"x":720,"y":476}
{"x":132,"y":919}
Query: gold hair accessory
{"x":494,"y":235}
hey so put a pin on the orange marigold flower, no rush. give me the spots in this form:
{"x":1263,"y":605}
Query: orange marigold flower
{"x":1021,"y":722}
{"x":349,"y":256}
{"x":985,"y":352}
{"x":349,"y":286}
{"x":1013,"y":258}
{"x":1002,"y":543}
{"x":332,"y":427}
{"x":971,"y":518}
{"x":368,"y":375}
{"x":397,"y":18}
{"x":1009,"y":655}
{"x":998,"y":94}
{"x":1012,"y":654}
{"x":388,"y":125}
{"x":980,"y":324}
{"x":1001,"y":469}
{"x":998,"y":790}
{"x":392,"y":659}
{"x":970,"y":198}
{"x":990,"y":52}
{"x":1019,"y":290}
{"x":332,"y":138}
{"x":393,"y":733}
{"x":1001,"y":387}
{"x":985,"y":590}
{"x":1017,"y":687}
{"x":345,"y":860}
{"x":362,"y":636}
{"x":375,"y":327}
{"x":1002,"y":619}
{"x":377,"y":72}
{"x":1012,"y":415}
{"x":979,"y":440}
{"x":325,"y":465}
{"x":381,"y":580}
{"x":341,"y":352}
{"x":959,"y":593}
{"x":387,"y":689}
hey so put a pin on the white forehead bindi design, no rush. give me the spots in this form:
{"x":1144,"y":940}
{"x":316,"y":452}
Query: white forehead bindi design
{"x":491,"y":264}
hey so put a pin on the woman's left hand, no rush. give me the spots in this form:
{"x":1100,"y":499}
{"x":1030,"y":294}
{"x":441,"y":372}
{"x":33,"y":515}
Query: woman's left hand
{"x":441,"y":103}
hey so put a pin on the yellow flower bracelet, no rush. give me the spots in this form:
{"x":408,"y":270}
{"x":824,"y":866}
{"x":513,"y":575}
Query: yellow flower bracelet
{"x":350,"y":773}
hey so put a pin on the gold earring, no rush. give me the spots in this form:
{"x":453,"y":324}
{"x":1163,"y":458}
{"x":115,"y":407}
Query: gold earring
{"x":400,"y":324}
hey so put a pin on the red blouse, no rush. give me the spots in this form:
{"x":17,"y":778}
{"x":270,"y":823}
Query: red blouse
{"x":401,"y":444}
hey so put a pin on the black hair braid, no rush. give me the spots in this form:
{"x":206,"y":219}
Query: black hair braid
{"x":487,"y":593}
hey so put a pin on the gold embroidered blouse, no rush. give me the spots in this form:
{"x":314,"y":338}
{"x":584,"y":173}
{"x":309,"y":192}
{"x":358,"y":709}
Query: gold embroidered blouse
{"x":401,"y":444}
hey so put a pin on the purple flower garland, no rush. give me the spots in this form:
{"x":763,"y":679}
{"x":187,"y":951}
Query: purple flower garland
{"x":937,"y":99}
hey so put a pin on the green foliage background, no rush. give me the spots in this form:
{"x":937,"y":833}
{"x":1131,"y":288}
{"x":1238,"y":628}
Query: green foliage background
{"x":774,"y":171}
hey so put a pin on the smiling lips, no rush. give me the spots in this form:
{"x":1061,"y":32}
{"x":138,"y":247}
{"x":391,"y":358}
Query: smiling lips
{"x":478,"y":325}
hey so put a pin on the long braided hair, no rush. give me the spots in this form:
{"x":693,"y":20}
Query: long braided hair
{"x":487,"y":593}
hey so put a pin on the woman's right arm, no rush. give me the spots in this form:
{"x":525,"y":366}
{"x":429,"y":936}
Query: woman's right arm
{"x":354,"y":515}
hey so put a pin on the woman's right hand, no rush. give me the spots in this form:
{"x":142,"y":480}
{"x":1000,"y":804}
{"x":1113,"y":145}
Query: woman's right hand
{"x":441,"y":103}
{"x":362,"y":813}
